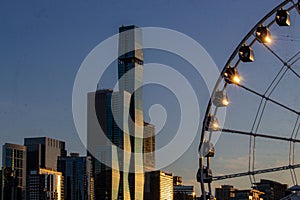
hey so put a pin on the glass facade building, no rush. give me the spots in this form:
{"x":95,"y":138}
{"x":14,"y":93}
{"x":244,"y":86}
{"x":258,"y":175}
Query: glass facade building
{"x":111,"y":176}
{"x":14,"y":172}
{"x":130,"y":74}
{"x":42,"y":153}
{"x":122,"y":177}
{"x":149,"y":147}
{"x":45,"y":184}
{"x":78,"y":180}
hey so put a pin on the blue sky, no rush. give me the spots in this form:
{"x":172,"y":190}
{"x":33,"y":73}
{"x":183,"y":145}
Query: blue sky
{"x":43,"y":44}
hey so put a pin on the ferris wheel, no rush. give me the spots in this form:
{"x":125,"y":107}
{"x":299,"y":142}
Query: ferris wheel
{"x":260,"y":92}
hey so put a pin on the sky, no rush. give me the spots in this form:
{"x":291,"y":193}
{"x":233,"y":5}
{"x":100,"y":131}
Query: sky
{"x":43,"y":44}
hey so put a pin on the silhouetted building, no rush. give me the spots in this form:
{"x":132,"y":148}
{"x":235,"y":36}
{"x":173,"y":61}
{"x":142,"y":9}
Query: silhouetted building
{"x":273,"y":190}
{"x":14,"y":168}
{"x":161,"y":186}
{"x":225,"y":192}
{"x":110,"y":183}
{"x":247,"y":195}
{"x":177,"y":180}
{"x":184,"y":192}
{"x":293,"y":193}
{"x":78,"y":180}
{"x":45,"y":184}
{"x":42,"y":152}
{"x":100,"y":119}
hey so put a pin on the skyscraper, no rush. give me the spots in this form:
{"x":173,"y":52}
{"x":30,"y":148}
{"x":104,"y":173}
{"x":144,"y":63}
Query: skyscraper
{"x":14,"y":166}
{"x":130,"y":74}
{"x":112,"y":178}
{"x":111,"y":175}
{"x":78,"y":180}
{"x":42,"y":153}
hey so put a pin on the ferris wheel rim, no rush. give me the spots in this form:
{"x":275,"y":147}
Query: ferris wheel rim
{"x":219,"y":82}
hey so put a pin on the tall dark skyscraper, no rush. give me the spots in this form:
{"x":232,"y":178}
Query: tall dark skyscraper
{"x":14,"y":166}
{"x":111,"y":177}
{"x":42,"y":155}
{"x":78,"y":180}
{"x":113,"y":180}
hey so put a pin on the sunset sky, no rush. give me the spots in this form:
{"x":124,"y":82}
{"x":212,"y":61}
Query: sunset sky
{"x":43,"y":44}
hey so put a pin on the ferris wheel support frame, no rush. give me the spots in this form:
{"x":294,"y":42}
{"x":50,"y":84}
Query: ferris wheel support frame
{"x":202,"y":158}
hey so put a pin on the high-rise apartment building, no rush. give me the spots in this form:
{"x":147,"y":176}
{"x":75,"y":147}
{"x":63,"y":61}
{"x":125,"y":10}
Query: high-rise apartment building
{"x":14,"y":166}
{"x":149,"y":146}
{"x":45,"y":184}
{"x":78,"y":180}
{"x":161,"y":186}
{"x":149,"y":155}
{"x":42,"y":153}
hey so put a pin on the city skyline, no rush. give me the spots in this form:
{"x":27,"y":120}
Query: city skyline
{"x":70,"y":163}
{"x":42,"y":53}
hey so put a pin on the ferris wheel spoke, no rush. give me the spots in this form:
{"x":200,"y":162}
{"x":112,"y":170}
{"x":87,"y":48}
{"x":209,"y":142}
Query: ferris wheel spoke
{"x":268,"y":136}
{"x":261,"y":33}
{"x":269,"y":99}
{"x":289,"y":66}
{"x":292,"y":152}
{"x":261,"y":171}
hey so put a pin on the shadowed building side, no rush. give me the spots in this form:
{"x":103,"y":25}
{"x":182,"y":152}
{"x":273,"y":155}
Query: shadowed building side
{"x":14,"y":171}
{"x":78,"y":180}
{"x":109,"y":140}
